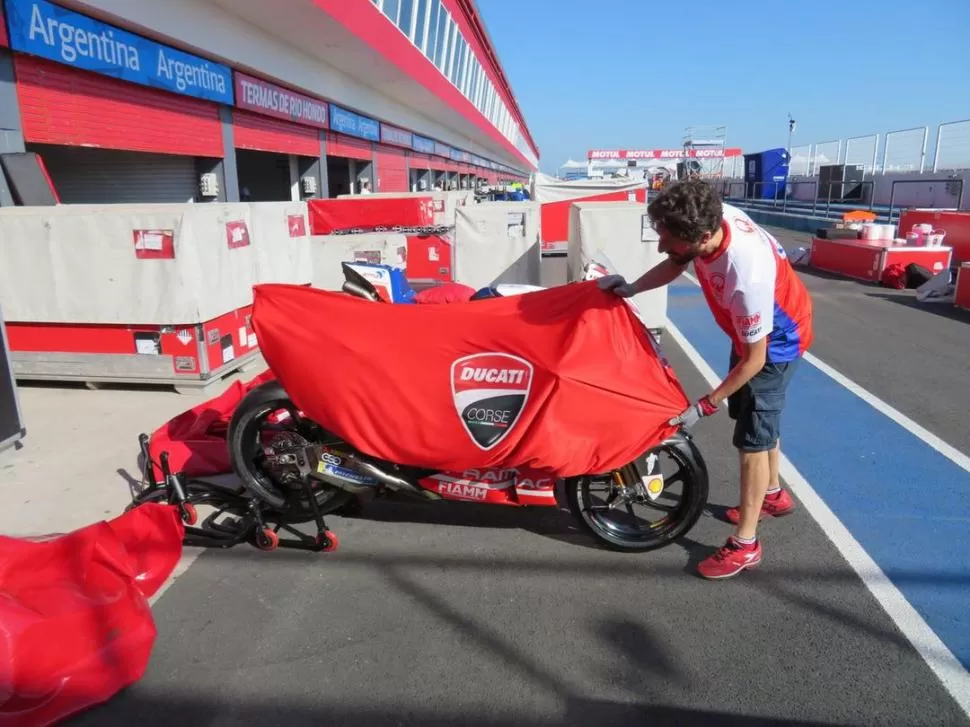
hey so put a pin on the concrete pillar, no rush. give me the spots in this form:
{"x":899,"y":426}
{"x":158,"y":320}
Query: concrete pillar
{"x":11,"y":131}
{"x":375,"y":170}
{"x":294,"y":165}
{"x":324,"y":191}
{"x":310,"y":167}
{"x":230,"y":174}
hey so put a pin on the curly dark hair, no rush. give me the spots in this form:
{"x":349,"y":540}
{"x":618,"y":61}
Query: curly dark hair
{"x":688,"y":209}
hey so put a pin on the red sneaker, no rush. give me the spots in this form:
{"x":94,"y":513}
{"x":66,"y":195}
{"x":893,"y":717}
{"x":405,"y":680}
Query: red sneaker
{"x":781,"y":505}
{"x":730,"y":559}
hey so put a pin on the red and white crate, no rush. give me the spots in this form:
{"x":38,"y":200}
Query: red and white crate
{"x":864,"y":260}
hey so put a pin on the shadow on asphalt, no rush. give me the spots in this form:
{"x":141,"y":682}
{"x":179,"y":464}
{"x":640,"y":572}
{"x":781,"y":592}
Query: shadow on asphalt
{"x":577,"y":712}
{"x":638,"y":652}
{"x":825,"y":275}
{"x":555,"y":523}
{"x":946,"y":310}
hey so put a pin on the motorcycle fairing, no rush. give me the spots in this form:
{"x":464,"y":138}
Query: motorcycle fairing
{"x":498,"y":486}
{"x":389,"y":283}
{"x":381,"y":376}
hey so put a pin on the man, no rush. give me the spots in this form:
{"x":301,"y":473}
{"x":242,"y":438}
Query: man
{"x":763,"y":306}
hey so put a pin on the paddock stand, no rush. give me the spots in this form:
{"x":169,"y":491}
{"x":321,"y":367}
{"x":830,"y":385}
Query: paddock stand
{"x":247,"y":519}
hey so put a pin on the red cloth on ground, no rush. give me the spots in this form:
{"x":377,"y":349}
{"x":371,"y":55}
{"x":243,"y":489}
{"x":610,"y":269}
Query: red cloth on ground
{"x":196,"y":439}
{"x":75,"y":624}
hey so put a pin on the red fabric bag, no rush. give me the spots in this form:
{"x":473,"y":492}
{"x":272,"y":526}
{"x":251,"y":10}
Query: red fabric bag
{"x":196,"y":439}
{"x":445,"y":293}
{"x":565,"y":379}
{"x":366,"y":213}
{"x":75,"y":624}
{"x":894,"y":277}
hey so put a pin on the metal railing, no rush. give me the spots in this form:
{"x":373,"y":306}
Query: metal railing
{"x":822,"y":193}
{"x":891,"y":151}
{"x":892,"y":194}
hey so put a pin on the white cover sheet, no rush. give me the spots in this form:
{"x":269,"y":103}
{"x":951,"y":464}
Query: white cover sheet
{"x":621,"y":230}
{"x":550,"y":189}
{"x":497,"y":242}
{"x":281,"y":253}
{"x":328,"y":251}
{"x":77,"y":264}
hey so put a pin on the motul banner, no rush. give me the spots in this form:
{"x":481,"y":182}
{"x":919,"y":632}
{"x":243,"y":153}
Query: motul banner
{"x":662,"y":153}
{"x":356,"y":215}
{"x":4,"y":40}
{"x":565,"y":379}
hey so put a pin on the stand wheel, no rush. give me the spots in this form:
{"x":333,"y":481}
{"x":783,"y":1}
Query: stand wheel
{"x":328,"y":541}
{"x":190,"y":516}
{"x":267,"y":540}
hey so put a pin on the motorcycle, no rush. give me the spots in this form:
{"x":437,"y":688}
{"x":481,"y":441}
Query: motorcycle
{"x":292,"y":471}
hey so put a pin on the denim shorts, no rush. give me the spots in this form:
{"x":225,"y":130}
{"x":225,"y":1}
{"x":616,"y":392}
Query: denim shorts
{"x":756,"y":407}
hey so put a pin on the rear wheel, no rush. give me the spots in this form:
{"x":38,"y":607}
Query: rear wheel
{"x":670,"y":481}
{"x":267,"y":423}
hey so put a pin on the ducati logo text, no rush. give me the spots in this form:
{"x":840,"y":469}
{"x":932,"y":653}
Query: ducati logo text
{"x":490,"y":391}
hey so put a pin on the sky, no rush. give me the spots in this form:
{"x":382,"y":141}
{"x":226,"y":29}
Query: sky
{"x":633,"y":74}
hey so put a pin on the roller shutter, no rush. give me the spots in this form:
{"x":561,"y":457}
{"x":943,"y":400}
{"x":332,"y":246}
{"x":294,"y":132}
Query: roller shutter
{"x":339,"y":145}
{"x":392,"y":170}
{"x":66,"y":106}
{"x":106,"y":176}
{"x":420,"y":161}
{"x":261,"y":133}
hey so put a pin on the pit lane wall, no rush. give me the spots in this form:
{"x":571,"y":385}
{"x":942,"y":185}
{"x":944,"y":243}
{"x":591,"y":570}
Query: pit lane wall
{"x":163,"y":293}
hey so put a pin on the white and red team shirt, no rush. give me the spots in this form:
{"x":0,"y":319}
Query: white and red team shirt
{"x":753,"y":291}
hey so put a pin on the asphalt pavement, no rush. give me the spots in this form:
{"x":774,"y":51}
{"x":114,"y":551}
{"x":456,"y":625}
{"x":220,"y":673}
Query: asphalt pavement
{"x":454,"y":614}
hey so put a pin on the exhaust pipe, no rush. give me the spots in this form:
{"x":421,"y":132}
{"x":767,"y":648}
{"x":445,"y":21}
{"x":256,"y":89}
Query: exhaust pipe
{"x":392,"y":481}
{"x":359,"y":291}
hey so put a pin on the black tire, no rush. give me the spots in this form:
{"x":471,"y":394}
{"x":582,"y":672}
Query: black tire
{"x":681,"y":448}
{"x":257,"y":403}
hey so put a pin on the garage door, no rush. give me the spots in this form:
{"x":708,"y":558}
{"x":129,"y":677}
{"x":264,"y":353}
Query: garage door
{"x":62,"y":105}
{"x":339,"y":145}
{"x":392,"y":170}
{"x":261,"y":133}
{"x":106,"y":176}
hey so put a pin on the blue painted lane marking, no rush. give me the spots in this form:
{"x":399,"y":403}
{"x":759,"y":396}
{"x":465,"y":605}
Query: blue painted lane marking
{"x":906,"y":504}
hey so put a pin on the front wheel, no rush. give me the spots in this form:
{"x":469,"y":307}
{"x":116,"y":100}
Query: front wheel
{"x":669,"y":480}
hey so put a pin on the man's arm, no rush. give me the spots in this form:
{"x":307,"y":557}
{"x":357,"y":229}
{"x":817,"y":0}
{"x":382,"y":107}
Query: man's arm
{"x":752,"y":312}
{"x":752,"y":361}
{"x":659,"y":275}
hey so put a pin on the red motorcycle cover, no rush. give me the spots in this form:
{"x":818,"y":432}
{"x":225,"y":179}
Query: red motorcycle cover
{"x":365,"y":213}
{"x":196,"y":439}
{"x":75,"y":624}
{"x":564,"y":379}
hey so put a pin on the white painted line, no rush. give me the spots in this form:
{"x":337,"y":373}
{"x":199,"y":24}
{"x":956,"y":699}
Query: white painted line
{"x":950,"y":452}
{"x":939,"y":658}
{"x":187,"y":559}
